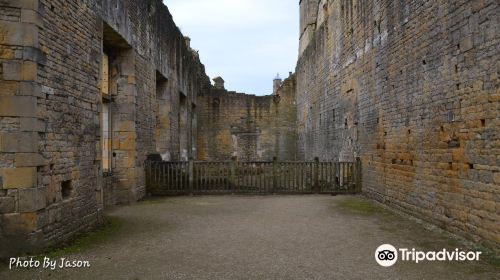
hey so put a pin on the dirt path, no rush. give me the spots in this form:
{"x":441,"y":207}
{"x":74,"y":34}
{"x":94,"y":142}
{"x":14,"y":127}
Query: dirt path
{"x":259,"y":237}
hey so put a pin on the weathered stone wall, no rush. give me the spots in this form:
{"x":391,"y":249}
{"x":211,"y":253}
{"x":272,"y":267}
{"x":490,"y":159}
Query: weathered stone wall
{"x":246,"y":126}
{"x":412,"y":88}
{"x":52,"y":184}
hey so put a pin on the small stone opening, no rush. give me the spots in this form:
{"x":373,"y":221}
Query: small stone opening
{"x":66,"y":189}
{"x":483,"y":122}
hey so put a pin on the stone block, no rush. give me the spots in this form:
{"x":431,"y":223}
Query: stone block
{"x":28,"y":160}
{"x":30,"y":89}
{"x":31,"y":16}
{"x":12,"y":70}
{"x":32,"y":199}
{"x":19,"y":223}
{"x":496,"y":178}
{"x":17,"y":106}
{"x":132,"y":79}
{"x":17,"y":178}
{"x":19,"y":34}
{"x":127,"y":141}
{"x":7,"y":205}
{"x":7,"y":54}
{"x":19,"y":142}
{"x":29,"y":71}
{"x":127,"y":126}
{"x":24,"y":4}
{"x":32,"y":124}
{"x":466,"y":43}
{"x":8,"y":88}
{"x":34,"y":54}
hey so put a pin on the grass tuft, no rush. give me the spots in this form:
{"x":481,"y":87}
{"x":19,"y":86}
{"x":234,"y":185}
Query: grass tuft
{"x":102,"y":234}
{"x":361,"y":206}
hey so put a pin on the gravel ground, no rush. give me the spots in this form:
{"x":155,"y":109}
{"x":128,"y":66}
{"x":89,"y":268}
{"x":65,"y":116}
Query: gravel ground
{"x":259,"y":237}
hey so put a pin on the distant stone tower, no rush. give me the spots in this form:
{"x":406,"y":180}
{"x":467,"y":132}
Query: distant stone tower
{"x":219,"y":83}
{"x":277,"y":83}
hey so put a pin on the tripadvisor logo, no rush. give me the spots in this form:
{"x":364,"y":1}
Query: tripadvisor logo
{"x":387,"y":255}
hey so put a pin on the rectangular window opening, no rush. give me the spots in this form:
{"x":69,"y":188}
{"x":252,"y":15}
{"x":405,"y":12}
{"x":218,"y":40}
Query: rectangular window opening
{"x":106,"y":115}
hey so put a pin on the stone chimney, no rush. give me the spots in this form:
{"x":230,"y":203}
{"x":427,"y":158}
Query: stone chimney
{"x":218,"y":83}
{"x":188,"y":41}
{"x":277,"y":83}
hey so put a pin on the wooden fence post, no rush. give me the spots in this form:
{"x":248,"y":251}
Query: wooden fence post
{"x":191,"y":175}
{"x":232,"y":182}
{"x":316,"y":175}
{"x":358,"y":175}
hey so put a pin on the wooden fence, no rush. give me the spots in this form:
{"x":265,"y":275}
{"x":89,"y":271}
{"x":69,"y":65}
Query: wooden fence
{"x":227,"y":177}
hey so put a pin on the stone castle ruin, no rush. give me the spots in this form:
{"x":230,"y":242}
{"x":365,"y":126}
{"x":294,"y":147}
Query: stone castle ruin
{"x":90,"y":89}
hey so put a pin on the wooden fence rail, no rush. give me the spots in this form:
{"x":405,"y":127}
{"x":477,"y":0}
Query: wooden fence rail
{"x":223,"y":177}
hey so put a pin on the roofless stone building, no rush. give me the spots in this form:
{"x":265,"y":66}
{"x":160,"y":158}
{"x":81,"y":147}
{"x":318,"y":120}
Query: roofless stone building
{"x":90,"y":88}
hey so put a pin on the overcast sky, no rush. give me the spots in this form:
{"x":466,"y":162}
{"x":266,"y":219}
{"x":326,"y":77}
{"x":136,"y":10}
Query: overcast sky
{"x":246,"y":42}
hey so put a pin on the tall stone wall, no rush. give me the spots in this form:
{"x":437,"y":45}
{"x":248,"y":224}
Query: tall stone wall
{"x":412,"y":88}
{"x":246,"y":126}
{"x":52,"y":182}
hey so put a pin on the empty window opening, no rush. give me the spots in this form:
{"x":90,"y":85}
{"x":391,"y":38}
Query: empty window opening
{"x":105,"y":115}
{"x":182,"y":124}
{"x":66,"y":189}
